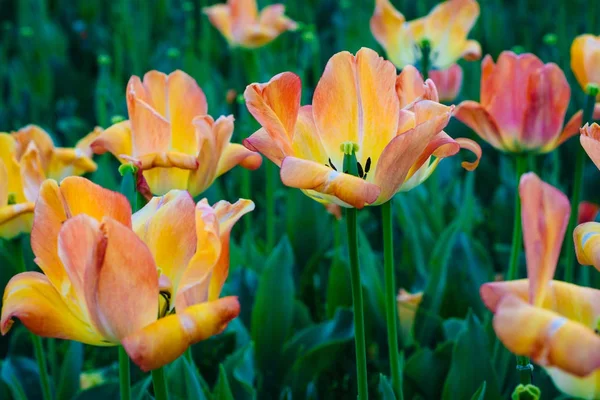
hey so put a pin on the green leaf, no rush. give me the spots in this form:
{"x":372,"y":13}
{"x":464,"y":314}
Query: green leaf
{"x":480,"y":393}
{"x":425,"y":370}
{"x":139,"y":391}
{"x":222,"y":389}
{"x":385,"y":388}
{"x":452,"y":328}
{"x":184,"y":380}
{"x":240,"y":372}
{"x":22,"y":377}
{"x":68,"y":384}
{"x":273,"y":312}
{"x":102,"y":392}
{"x":286,"y":394}
{"x":339,"y":293}
{"x":471,"y":364}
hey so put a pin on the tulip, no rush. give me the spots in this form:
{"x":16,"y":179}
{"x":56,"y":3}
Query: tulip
{"x":587,"y":212}
{"x":590,"y":140}
{"x":27,"y":157}
{"x":176,"y":256}
{"x":585,"y":60}
{"x":242,"y":25}
{"x":393,"y":123}
{"x":445,"y":29}
{"x":448,"y":82}
{"x":170,"y":137}
{"x":523,"y":105}
{"x":550,"y":321}
{"x":408,"y":304}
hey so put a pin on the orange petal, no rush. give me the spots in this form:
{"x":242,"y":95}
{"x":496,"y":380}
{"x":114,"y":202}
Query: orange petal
{"x":405,"y":150}
{"x":309,"y":175}
{"x":155,"y":84}
{"x":244,"y":13}
{"x":69,"y":161}
{"x":307,"y":143}
{"x":546,"y":337}
{"x":488,"y":81}
{"x":408,"y":304}
{"x":448,"y":82}
{"x":31,"y":298}
{"x":590,"y":141}
{"x":273,"y":20}
{"x":574,"y":125}
{"x":549,"y":95}
{"x":220,"y":16}
{"x":409,"y":86}
{"x":41,"y":139}
{"x":480,"y":121}
{"x":275,"y":106}
{"x":587,"y":244}
{"x":121,"y":300}
{"x":236,"y":154}
{"x":388,"y":27}
{"x":585,"y":53}
{"x":260,"y":141}
{"x":587,"y":212}
{"x":545,"y":214}
{"x":166,"y":226}
{"x":168,"y":338}
{"x":32,"y":173}
{"x":186,"y":100}
{"x":474,"y":148}
{"x":150,"y":131}
{"x":116,"y":139}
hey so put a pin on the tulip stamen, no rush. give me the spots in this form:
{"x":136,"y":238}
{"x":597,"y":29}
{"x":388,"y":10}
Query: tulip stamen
{"x":361,"y":172}
{"x":331,"y":165}
{"x":167,"y":298}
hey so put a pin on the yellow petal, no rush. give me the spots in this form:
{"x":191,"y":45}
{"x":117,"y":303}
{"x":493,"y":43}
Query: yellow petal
{"x":545,"y":214}
{"x":587,"y":243}
{"x":16,"y":219}
{"x":236,"y":154}
{"x":220,"y":16}
{"x":389,"y":28}
{"x":587,"y":387}
{"x":41,"y":139}
{"x":8,"y":153}
{"x":166,"y":339}
{"x":31,"y":298}
{"x":32,"y":173}
{"x":261,"y":142}
{"x":581,"y":49}
{"x":306,"y":142}
{"x":116,"y":140}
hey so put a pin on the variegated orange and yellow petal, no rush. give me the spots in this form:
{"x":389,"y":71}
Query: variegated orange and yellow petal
{"x":32,"y":172}
{"x":587,"y":387}
{"x":116,"y":140}
{"x":8,"y":150}
{"x":590,"y":141}
{"x":69,"y":161}
{"x":409,"y":86}
{"x":389,"y":28}
{"x":272,"y":18}
{"x":16,"y":219}
{"x":236,"y":154}
{"x":476,"y":117}
{"x":307,"y":142}
{"x":155,"y":84}
{"x":42,"y":140}
{"x":168,"y":338}
{"x":587,"y":243}
{"x":261,"y":142}
{"x":220,"y":16}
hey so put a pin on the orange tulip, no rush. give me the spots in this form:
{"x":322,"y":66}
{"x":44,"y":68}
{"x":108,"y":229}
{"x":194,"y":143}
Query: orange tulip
{"x":445,"y":28}
{"x":590,"y":139}
{"x":242,"y":25}
{"x":448,"y":82}
{"x":27,"y":157}
{"x":550,"y":321}
{"x":170,"y":136}
{"x":585,"y":60}
{"x":150,"y":281}
{"x":587,"y":212}
{"x":408,"y":304}
{"x":393,"y":123}
{"x":523,"y":105}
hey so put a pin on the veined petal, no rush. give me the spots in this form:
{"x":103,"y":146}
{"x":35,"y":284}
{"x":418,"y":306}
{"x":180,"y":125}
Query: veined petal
{"x":307,"y":143}
{"x":587,"y":244}
{"x":236,"y":154}
{"x":32,"y":172}
{"x":155,"y":84}
{"x":186,"y":100}
{"x":275,"y":106}
{"x":548,"y":338}
{"x":475,"y":116}
{"x":545,"y":214}
{"x":31,"y":298}
{"x":212,"y":138}
{"x":121,"y":300}
{"x":388,"y":27}
{"x":309,"y":175}
{"x":260,"y":141}
{"x":401,"y":153}
{"x":220,"y":16}
{"x":549,"y":95}
{"x":166,"y":339}
{"x":590,"y":141}
{"x":166,"y":225}
{"x":150,"y":131}
{"x":116,"y":140}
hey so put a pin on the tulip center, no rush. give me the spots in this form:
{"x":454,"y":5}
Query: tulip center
{"x":164,"y":303}
{"x":350,"y":149}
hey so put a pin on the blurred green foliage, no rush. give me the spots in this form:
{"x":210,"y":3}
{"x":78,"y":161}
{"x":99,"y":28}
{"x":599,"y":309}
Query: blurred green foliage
{"x":64,"y":65}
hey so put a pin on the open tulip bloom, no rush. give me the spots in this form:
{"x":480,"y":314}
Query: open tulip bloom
{"x":523,"y":105}
{"x":242,"y":25}
{"x":552,"y":322}
{"x":445,"y":29}
{"x":170,"y":136}
{"x":150,"y":281}
{"x":27,"y":157}
{"x":394,"y":124}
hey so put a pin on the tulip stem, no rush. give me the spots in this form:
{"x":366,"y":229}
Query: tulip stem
{"x":517,"y":238}
{"x":124,"y":374}
{"x":390,"y":298}
{"x":525,"y":370}
{"x":425,"y":61}
{"x":588,"y":112}
{"x":357,"y":299}
{"x":160,"y":384}
{"x":270,"y":200}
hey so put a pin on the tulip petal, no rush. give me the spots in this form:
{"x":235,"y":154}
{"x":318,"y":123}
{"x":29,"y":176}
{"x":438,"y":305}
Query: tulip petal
{"x":32,"y":173}
{"x":587,"y":244}
{"x":41,"y":139}
{"x":122,"y":285}
{"x":448,"y":82}
{"x":309,"y":175}
{"x":16,"y":219}
{"x":548,"y":338}
{"x":69,"y":161}
{"x":236,"y":154}
{"x":212,"y":137}
{"x":590,"y":141}
{"x":409,"y":86}
{"x":168,"y":338}
{"x":8,"y":149}
{"x":480,"y":121}
{"x":186,"y":100}
{"x":545,"y":214}
{"x":220,"y":16}
{"x":31,"y":298}
{"x":549,"y":95}
{"x":161,"y":180}
{"x":307,"y":143}
{"x":574,"y":125}
{"x":404,"y":151}
{"x":261,"y":142}
{"x":116,"y":140}
{"x":244,"y":13}
{"x":474,"y":148}
{"x":587,"y":387}
{"x":166,"y":226}
{"x":3,"y":184}
{"x":388,"y":27}
{"x":155,"y":84}
{"x":275,"y":106}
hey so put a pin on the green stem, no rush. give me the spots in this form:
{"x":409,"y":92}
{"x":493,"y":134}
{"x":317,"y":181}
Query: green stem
{"x":525,"y":370}
{"x":270,"y":199}
{"x":124,"y":374}
{"x":588,"y":112}
{"x":160,"y":384}
{"x":425,"y":61}
{"x":517,"y":238}
{"x":188,"y":355}
{"x":37,"y":341}
{"x":357,"y":299}
{"x":390,"y":297}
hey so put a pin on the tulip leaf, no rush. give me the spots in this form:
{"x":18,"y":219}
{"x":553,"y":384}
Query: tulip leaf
{"x":471,"y":364}
{"x":385,"y":388}
{"x":109,"y":390}
{"x":184,"y":380}
{"x":71,"y":367}
{"x":139,"y":391}
{"x":22,"y":377}
{"x":222,"y":389}
{"x":480,"y":393}
{"x":339,"y":293}
{"x":425,"y":370}
{"x":273,"y":312}
{"x":240,"y":372}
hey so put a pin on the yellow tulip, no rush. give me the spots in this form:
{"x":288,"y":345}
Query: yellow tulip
{"x":585,"y":60}
{"x":150,"y":281}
